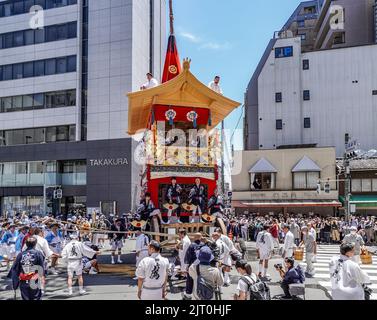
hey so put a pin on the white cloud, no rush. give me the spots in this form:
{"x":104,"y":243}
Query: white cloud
{"x":215,"y":46}
{"x":203,"y":43}
{"x":191,"y":37}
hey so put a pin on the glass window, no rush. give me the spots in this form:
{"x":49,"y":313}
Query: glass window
{"x":50,"y":66}
{"x":51,"y":33}
{"x":71,"y":64}
{"x":51,"y":134}
{"x":60,"y":99}
{"x":306,"y":95}
{"x":278,"y":97}
{"x":7,"y":104}
{"x":18,"y":7}
{"x":263,"y":181}
{"x":356,"y":185}
{"x":17,"y":103}
{"x":8,"y":9}
{"x":39,"y":135}
{"x":17,"y":71}
{"x":14,"y":137}
{"x":72,"y":30}
{"x":29,"y":136}
{"x":1,"y":36}
{"x":39,"y":68}
{"x":303,"y":36}
{"x":374,"y":185}
{"x":50,"y":4}
{"x":62,"y":31}
{"x":28,"y":69}
{"x":307,"y":124}
{"x":72,"y":133}
{"x":41,"y":3}
{"x":36,"y":167}
{"x":61,"y":65}
{"x":62,"y":133}
{"x":18,"y":38}
{"x":72,"y":2}
{"x":279,"y":124}
{"x":7,"y":40}
{"x":305,"y":64}
{"x":7,"y":72}
{"x":27,"y":102}
{"x":28,"y":5}
{"x":38,"y":100}
{"x":9,"y":174}
{"x":71,"y":97}
{"x":39,"y":35}
{"x":366,"y":185}
{"x":29,"y":37}
{"x":305,"y":180}
{"x":49,"y":96}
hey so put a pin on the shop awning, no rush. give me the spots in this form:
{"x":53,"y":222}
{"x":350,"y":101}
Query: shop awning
{"x":286,"y":204}
{"x":263,"y":166}
{"x":362,"y":201}
{"x":306,"y":165}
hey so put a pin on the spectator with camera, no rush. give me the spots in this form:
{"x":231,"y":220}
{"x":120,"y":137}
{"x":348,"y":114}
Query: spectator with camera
{"x":291,"y":275}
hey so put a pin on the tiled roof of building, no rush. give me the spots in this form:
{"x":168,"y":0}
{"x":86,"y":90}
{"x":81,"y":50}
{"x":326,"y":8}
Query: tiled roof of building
{"x":361,"y":164}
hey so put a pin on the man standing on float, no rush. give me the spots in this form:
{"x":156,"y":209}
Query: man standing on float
{"x":173,"y":196}
{"x":196,"y":197}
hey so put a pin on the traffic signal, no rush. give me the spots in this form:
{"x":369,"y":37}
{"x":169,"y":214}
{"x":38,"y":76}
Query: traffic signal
{"x":58,"y":193}
{"x":327,"y":188}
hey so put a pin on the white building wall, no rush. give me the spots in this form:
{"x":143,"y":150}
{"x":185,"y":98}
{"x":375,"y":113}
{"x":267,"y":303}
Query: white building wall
{"x":338,"y":105}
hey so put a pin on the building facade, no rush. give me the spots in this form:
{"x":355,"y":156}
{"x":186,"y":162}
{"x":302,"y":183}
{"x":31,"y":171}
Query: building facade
{"x":285,"y":181}
{"x":66,"y":66}
{"x":316,"y":80}
{"x":363,"y":200}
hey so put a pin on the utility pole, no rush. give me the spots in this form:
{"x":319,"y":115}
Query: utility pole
{"x":347,"y":178}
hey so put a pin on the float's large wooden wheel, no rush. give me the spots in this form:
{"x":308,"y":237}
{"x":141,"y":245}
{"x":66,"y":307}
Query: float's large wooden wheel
{"x":221,"y":224}
{"x":155,"y":226}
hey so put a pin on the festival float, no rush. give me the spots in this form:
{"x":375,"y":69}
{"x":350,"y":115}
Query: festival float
{"x":176,"y":125}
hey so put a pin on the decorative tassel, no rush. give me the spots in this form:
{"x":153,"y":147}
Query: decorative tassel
{"x":210,"y":119}
{"x":195,"y":124}
{"x":171,"y":122}
{"x":153,"y":118}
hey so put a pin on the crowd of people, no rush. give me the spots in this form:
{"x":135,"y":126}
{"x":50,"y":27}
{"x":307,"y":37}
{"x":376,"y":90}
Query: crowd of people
{"x":31,"y":248}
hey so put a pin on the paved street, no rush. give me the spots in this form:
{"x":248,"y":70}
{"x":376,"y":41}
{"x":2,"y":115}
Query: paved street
{"x":123,"y":287}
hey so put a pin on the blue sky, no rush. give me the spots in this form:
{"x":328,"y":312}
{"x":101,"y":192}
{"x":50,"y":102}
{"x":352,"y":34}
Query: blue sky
{"x":228,"y":38}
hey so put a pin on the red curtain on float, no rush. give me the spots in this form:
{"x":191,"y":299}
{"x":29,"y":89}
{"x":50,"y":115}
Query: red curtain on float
{"x":172,"y":66}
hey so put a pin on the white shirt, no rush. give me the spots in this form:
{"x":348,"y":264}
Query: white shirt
{"x":215,"y":87}
{"x":186,"y":242}
{"x":347,"y":283}
{"x":289,"y":241}
{"x":224,"y":257}
{"x":150,"y":84}
{"x":142,"y":242}
{"x":76,"y":250}
{"x":243,"y":286}
{"x":265,"y":243}
{"x":154,"y":276}
{"x":43,"y":247}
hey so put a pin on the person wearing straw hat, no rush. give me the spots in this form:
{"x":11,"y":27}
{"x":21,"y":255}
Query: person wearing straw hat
{"x":152,"y":274}
{"x":308,"y":241}
{"x":73,"y":253}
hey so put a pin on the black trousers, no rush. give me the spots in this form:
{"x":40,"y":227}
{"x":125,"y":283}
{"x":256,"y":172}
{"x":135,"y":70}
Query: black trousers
{"x":189,"y":285}
{"x":28,"y":293}
{"x":285,"y":287}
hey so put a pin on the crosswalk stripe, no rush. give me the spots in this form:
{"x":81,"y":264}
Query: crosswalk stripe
{"x":327,"y":276}
{"x":373,"y":296}
{"x":327,"y":284}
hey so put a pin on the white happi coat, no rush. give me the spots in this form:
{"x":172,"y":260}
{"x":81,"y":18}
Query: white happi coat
{"x":347,"y":282}
{"x":142,"y":242}
{"x":153,"y":270}
{"x":265,"y":245}
{"x":186,"y":242}
{"x":225,"y":257}
{"x":289,"y":244}
{"x":73,"y":252}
